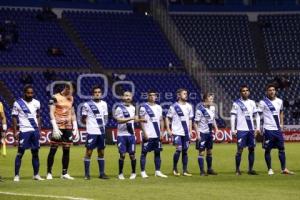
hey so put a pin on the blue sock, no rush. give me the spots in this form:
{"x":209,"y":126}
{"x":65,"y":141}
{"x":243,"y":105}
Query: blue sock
{"x":157,"y":161}
{"x":209,"y":161}
{"x":184,"y":160}
{"x":101,"y":165}
{"x":251,"y":156}
{"x":35,"y":161}
{"x":121,"y":165}
{"x":133,"y":166}
{"x":201,"y":163}
{"x":175,"y":159}
{"x":281,"y":155}
{"x":143,"y":161}
{"x":87,"y":162}
{"x":18,"y":161}
{"x":237,"y":161}
{"x":268,"y":159}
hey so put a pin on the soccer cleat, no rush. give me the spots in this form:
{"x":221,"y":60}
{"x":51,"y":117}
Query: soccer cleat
{"x":186,"y":174}
{"x":121,"y":177}
{"x":159,"y":174}
{"x":66,"y":176}
{"x":16,"y":178}
{"x":238,"y":173}
{"x":176,"y":173}
{"x":287,"y":172}
{"x":37,"y":178}
{"x":87,"y":178}
{"x":203,"y":174}
{"x":211,"y":172}
{"x":49,"y":176}
{"x":132,"y":176}
{"x":144,"y":175}
{"x":252,"y":172}
{"x":103,"y":176}
{"x":270,"y":172}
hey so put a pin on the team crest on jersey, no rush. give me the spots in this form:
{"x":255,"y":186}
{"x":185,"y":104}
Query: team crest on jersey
{"x":267,"y":141}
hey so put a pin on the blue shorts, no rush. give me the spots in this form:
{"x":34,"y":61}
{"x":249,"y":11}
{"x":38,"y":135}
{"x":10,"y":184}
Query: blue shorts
{"x":126,"y":144}
{"x":29,"y":140}
{"x":273,"y":139}
{"x":245,"y":139}
{"x":95,"y":141}
{"x":181,"y":142}
{"x":206,"y":141}
{"x":152,"y":144}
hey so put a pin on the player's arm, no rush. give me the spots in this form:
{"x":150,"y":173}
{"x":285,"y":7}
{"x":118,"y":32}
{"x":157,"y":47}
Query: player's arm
{"x":162,"y":127}
{"x":170,"y":115}
{"x":125,"y":120}
{"x":281,"y":115}
{"x":38,"y":117}
{"x":3,"y":118}
{"x":260,"y":109}
{"x":15,"y":113}
{"x":233,"y":115}
{"x":215,"y":121}
{"x":105,"y":119}
{"x":257,"y":118}
{"x":191,"y":126}
{"x":74,"y":123}
{"x":142,"y":114}
{"x":281,"y":119}
{"x":196,"y":121}
{"x":191,"y":116}
{"x":215,"y":125}
{"x":84,"y":114}
{"x":83,"y":119}
{"x":14,"y":126}
{"x":145,"y":135}
{"x":56,"y":133}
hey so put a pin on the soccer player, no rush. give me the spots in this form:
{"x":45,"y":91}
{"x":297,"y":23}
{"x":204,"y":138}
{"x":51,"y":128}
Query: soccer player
{"x":3,"y":118}
{"x":64,"y":124}
{"x":242,"y":126}
{"x":95,"y":116}
{"x":271,"y":108}
{"x":3,"y":125}
{"x":180,"y":116}
{"x":204,"y":123}
{"x":125,"y":116}
{"x":152,"y":129}
{"x":27,"y":111}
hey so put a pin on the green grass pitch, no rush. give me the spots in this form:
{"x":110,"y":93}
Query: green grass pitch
{"x":224,"y":186}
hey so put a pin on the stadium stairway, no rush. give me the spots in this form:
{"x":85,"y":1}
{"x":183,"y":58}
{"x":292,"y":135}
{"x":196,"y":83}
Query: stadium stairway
{"x":75,"y":38}
{"x":259,"y":48}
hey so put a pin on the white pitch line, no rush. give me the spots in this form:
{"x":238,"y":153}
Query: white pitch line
{"x":44,"y":196}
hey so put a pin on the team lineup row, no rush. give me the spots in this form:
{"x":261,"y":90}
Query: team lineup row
{"x":178,"y":123}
